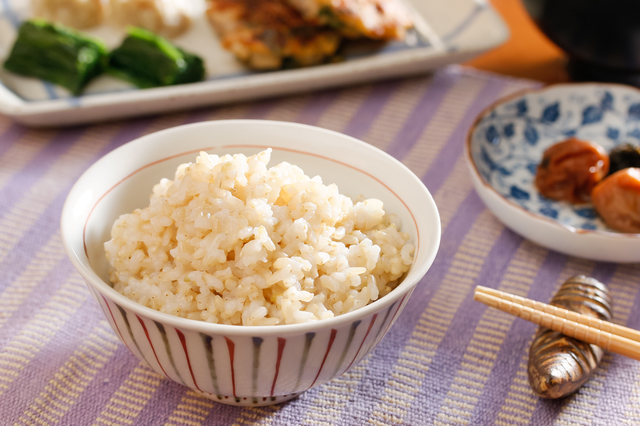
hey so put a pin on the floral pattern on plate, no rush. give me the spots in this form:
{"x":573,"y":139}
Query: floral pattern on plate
{"x":508,"y":141}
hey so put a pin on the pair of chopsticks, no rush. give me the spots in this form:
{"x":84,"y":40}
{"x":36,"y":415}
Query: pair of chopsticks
{"x":612,"y":337}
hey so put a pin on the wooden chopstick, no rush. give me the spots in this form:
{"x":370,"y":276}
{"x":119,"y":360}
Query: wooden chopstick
{"x":612,"y":337}
{"x":564,"y":313}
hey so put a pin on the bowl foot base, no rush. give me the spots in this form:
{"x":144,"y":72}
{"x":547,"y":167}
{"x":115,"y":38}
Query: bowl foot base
{"x":248,"y":401}
{"x":580,"y":70}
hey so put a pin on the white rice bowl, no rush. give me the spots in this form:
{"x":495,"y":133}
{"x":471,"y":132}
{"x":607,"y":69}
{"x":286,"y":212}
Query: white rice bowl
{"x":231,"y":241}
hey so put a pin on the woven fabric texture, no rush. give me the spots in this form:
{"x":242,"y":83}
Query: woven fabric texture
{"x":447,"y":359}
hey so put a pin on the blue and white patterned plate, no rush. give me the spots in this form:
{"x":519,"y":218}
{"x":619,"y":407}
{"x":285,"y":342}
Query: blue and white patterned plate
{"x":508,"y":140}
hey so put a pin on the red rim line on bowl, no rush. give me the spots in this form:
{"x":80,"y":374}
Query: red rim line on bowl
{"x":84,"y":229}
{"x":487,"y":185}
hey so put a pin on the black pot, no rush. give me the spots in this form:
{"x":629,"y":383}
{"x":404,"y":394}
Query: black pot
{"x":601,"y":37}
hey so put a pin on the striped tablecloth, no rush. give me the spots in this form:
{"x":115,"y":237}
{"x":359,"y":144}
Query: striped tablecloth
{"x":447,"y":360}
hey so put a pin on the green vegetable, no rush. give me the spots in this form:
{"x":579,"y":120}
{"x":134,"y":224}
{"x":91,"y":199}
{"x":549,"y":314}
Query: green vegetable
{"x":57,"y":54}
{"x":327,"y":16}
{"x":148,"y":60}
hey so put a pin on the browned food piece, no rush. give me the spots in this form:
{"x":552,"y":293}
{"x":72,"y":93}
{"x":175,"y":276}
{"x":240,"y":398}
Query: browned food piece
{"x":570,"y":169}
{"x":376,"y":19}
{"x":617,"y":200}
{"x":559,"y":365}
{"x":269,"y":33}
{"x":168,"y":18}
{"x":72,"y":13}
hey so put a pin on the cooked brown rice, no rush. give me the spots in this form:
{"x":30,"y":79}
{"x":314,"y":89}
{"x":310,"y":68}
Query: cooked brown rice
{"x":232,"y":241}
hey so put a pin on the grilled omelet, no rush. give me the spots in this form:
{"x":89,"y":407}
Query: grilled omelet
{"x":375,"y":19}
{"x":267,"y":34}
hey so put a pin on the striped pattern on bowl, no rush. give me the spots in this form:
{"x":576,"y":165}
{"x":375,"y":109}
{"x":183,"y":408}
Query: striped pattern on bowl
{"x":210,"y":364}
{"x":245,"y":365}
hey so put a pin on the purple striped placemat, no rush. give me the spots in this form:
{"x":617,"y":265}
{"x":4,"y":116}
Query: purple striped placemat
{"x":447,"y":360}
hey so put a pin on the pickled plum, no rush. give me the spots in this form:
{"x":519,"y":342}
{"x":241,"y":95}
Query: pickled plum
{"x":571,"y":169}
{"x":617,"y":200}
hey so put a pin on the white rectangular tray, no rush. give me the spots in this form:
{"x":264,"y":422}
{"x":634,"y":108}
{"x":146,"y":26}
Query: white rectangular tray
{"x":447,"y":31}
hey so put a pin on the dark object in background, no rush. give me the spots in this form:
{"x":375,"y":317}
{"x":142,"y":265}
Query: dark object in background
{"x":57,"y":54}
{"x":559,"y":365}
{"x":602,"y":38}
{"x":148,"y":60}
{"x":624,"y":156}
